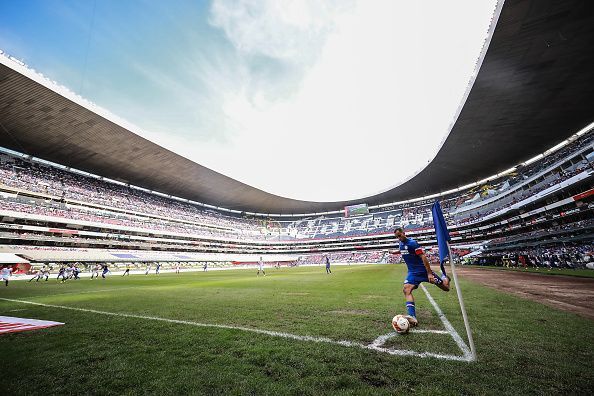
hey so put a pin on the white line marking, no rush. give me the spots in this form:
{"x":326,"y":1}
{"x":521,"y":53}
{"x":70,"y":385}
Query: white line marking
{"x":461,"y":344}
{"x":372,"y":346}
{"x":381,"y":340}
{"x":430,"y":331}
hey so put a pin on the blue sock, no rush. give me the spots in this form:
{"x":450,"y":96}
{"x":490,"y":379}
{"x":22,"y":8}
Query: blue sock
{"x":410,"y":307}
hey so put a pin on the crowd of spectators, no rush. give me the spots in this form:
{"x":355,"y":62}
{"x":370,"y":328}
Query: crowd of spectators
{"x":100,"y":217}
{"x":131,"y":207}
{"x":377,"y":256}
{"x":516,"y":197}
{"x":563,"y":256}
{"x":553,"y":232}
{"x":19,"y":173}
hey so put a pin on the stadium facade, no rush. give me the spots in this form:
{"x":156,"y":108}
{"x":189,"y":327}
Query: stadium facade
{"x":533,"y":64}
{"x":514,"y":174}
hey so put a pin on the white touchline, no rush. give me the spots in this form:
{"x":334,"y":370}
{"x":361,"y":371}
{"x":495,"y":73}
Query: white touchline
{"x":461,"y":344}
{"x":374,"y":346}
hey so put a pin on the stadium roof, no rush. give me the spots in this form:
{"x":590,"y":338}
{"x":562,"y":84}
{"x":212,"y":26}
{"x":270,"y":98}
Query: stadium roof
{"x":534,"y":89}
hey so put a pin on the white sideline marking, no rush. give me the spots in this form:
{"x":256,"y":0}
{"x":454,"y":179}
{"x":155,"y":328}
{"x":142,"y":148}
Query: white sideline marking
{"x":374,"y":346}
{"x":430,"y":331}
{"x":461,"y":344}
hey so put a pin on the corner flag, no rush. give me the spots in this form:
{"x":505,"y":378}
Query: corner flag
{"x":443,"y":237}
{"x":441,"y":231}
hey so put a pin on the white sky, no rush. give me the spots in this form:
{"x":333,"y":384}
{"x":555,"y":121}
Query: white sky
{"x":370,"y":91}
{"x":316,"y":100}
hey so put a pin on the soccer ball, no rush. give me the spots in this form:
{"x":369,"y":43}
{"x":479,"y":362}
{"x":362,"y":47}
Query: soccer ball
{"x":400,"y":324}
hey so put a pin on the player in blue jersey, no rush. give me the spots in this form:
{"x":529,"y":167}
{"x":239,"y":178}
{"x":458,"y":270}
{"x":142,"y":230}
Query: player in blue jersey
{"x":327,"y":260}
{"x":419,"y":270}
{"x":105,"y":270}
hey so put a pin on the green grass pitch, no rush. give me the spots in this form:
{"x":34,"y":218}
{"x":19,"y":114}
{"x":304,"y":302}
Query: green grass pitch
{"x":523,"y":347}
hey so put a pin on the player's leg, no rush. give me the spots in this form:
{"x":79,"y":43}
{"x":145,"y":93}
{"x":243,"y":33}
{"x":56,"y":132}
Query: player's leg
{"x":410,"y":303}
{"x":442,"y":282}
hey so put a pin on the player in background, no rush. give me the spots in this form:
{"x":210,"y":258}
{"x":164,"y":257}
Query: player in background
{"x":36,"y":277}
{"x":419,"y":270}
{"x":327,"y":260}
{"x":61,"y":272}
{"x":158,"y":270}
{"x":95,"y":271}
{"x":67,"y":272}
{"x":76,"y":271}
{"x":5,"y":273}
{"x":105,"y":270}
{"x":205,"y":267}
{"x":45,"y":271}
{"x":148,"y":268}
{"x":260,"y":267}
{"x":127,"y":272}
{"x":177,"y":268}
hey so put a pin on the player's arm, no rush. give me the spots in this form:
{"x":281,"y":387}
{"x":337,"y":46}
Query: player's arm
{"x":427,"y":268}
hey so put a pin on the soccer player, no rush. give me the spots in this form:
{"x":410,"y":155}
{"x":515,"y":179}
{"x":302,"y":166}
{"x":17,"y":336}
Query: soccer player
{"x":158,"y":270}
{"x":127,"y":272}
{"x":95,"y":273}
{"x":67,"y":272}
{"x":105,"y":270}
{"x":5,"y":274}
{"x":36,"y":277}
{"x":148,"y":268}
{"x":61,"y":273}
{"x":205,"y":267}
{"x":327,"y":265}
{"x":260,"y":267}
{"x":419,"y":270}
{"x":76,"y":271}
{"x":177,"y":268}
{"x":45,"y":272}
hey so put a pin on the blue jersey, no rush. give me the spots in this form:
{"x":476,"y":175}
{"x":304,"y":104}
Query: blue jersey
{"x":411,"y":253}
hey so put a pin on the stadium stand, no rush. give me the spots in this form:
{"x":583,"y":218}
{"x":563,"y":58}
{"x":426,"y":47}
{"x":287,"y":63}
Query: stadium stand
{"x":50,"y":213}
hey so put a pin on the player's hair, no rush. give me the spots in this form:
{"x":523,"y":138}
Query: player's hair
{"x":398,"y":229}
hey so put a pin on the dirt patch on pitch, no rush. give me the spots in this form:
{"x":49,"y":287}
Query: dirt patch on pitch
{"x":567,"y":293}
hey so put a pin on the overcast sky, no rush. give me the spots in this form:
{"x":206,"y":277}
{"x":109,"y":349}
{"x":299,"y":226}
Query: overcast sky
{"x":315,"y":100}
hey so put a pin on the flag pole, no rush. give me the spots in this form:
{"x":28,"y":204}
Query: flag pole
{"x":461,"y":300}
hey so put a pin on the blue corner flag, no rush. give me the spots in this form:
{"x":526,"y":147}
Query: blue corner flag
{"x":441,"y":231}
